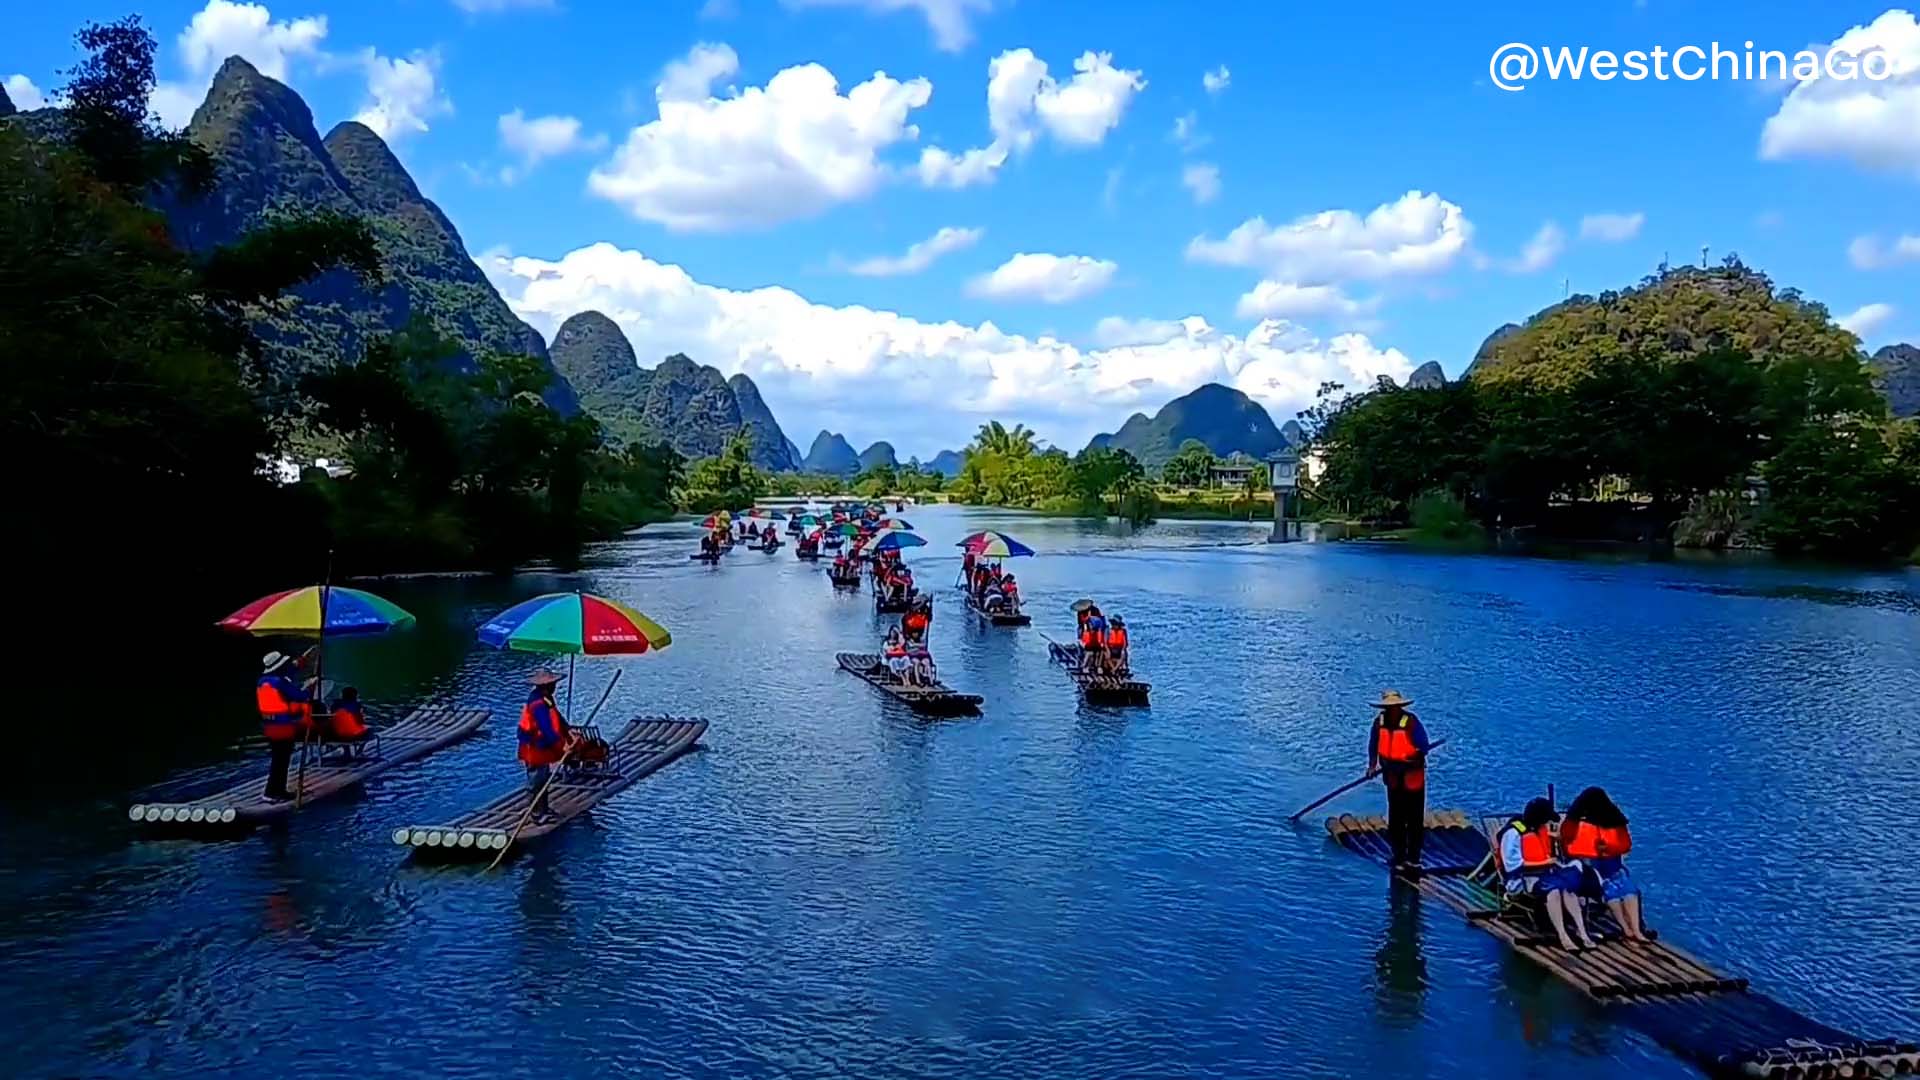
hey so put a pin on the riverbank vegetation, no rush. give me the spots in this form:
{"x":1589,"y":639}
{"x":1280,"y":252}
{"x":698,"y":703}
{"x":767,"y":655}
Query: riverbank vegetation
{"x":1703,"y":404}
{"x":149,"y":442}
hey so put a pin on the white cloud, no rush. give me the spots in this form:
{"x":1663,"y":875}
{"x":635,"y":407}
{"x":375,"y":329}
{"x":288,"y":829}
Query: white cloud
{"x":948,"y":19}
{"x":1417,"y":234}
{"x":1217,"y":80}
{"x":1024,"y":102}
{"x":1117,"y":330}
{"x":490,"y":7}
{"x":402,"y":94}
{"x":1873,"y":123}
{"x":919,"y":256}
{"x":1873,"y":253}
{"x":1540,"y":251}
{"x":1048,"y":279}
{"x":25,"y":96}
{"x":833,"y":367}
{"x":223,"y":29}
{"x":537,"y":139}
{"x":761,"y":156}
{"x":1611,"y":228}
{"x":692,"y":77}
{"x":1186,"y":132}
{"x":939,"y":169}
{"x":1203,"y":180}
{"x":1867,"y":320}
{"x":1285,"y":300}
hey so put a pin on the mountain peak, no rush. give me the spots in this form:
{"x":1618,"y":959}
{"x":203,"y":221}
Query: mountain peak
{"x":880,"y":453}
{"x":378,"y":178}
{"x":1222,"y":418}
{"x":6,"y":103}
{"x":1896,"y":371}
{"x":593,"y":332}
{"x":831,"y":455}
{"x":1427,"y":376}
{"x":771,"y":447}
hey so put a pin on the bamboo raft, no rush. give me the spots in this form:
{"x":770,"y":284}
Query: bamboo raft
{"x":1702,"y":1014}
{"x":706,"y":557}
{"x":1002,"y":617}
{"x":848,"y":580}
{"x":935,"y":700}
{"x":803,"y":553}
{"x":884,"y":606}
{"x":332,"y":768}
{"x":1098,"y":689}
{"x":647,"y":744}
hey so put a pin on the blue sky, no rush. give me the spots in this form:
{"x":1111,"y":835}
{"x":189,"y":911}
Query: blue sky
{"x":646,"y":167}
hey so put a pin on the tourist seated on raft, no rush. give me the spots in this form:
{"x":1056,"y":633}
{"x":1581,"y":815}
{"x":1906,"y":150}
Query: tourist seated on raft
{"x":347,"y":720}
{"x":1093,"y":641}
{"x":994,"y":601}
{"x":1116,"y":647}
{"x":894,"y":652}
{"x":1011,"y":590}
{"x":1595,"y":832}
{"x":1523,"y":853}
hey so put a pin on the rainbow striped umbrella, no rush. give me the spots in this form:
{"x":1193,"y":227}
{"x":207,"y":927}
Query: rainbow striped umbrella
{"x":846,"y":528}
{"x":573,"y":622}
{"x":993,"y":545}
{"x":895,"y":523}
{"x":894,"y":540}
{"x":719,"y":519}
{"x":297,"y":611}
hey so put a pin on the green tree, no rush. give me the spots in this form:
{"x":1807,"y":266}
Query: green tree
{"x":1013,"y":443}
{"x":1846,"y":490}
{"x":727,"y":482}
{"x":1190,"y":465}
{"x":877,"y":481}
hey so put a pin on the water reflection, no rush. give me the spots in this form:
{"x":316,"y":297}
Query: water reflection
{"x":1399,"y":964}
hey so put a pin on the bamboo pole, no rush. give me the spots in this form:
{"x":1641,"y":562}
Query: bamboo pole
{"x":319,"y":681}
{"x":538,"y":795}
{"x":1344,"y":788}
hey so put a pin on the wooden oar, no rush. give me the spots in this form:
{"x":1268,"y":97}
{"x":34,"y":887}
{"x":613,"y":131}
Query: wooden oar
{"x":1344,"y":788}
{"x":527,"y":815}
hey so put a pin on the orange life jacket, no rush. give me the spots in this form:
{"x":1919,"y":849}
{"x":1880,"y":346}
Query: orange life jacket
{"x":281,"y":710}
{"x":349,"y":720}
{"x":1116,"y":637}
{"x":896,"y":649}
{"x":1536,"y":849}
{"x":1395,"y":747}
{"x":1589,"y":841}
{"x":542,"y":733}
{"x":915,"y":622}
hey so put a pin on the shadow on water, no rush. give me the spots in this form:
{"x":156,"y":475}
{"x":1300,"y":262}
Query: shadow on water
{"x":1906,"y":602}
{"x":1399,"y":964}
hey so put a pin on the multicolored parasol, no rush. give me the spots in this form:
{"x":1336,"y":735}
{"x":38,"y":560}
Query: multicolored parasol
{"x":993,"y":545}
{"x":895,"y":523}
{"x":297,"y":611}
{"x":846,"y":528}
{"x":719,"y":519}
{"x":894,"y":540}
{"x":573,"y":622}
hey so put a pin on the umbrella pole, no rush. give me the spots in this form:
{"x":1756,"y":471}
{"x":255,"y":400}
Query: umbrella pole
{"x":319,"y":681}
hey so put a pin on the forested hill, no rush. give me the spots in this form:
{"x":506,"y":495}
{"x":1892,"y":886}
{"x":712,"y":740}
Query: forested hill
{"x":1223,"y":419}
{"x":687,"y":406}
{"x":269,"y":160}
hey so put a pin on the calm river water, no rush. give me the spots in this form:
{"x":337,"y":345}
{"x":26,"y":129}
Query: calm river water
{"x":834,"y":889}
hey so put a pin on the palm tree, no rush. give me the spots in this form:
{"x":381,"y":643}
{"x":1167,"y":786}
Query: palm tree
{"x":995,"y":437}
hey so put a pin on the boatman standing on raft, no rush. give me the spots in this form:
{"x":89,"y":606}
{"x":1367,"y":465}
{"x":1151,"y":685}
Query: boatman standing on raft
{"x":1397,"y":750}
{"x":545,"y":739}
{"x":285,"y":712}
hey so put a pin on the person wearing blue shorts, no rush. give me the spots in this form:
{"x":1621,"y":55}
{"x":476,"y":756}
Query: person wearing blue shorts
{"x":1595,"y":832}
{"x":1523,"y":852}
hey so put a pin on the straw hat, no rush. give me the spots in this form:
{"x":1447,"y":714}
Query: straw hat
{"x":542,"y":677}
{"x":273,"y":661}
{"x":1392,"y":699}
